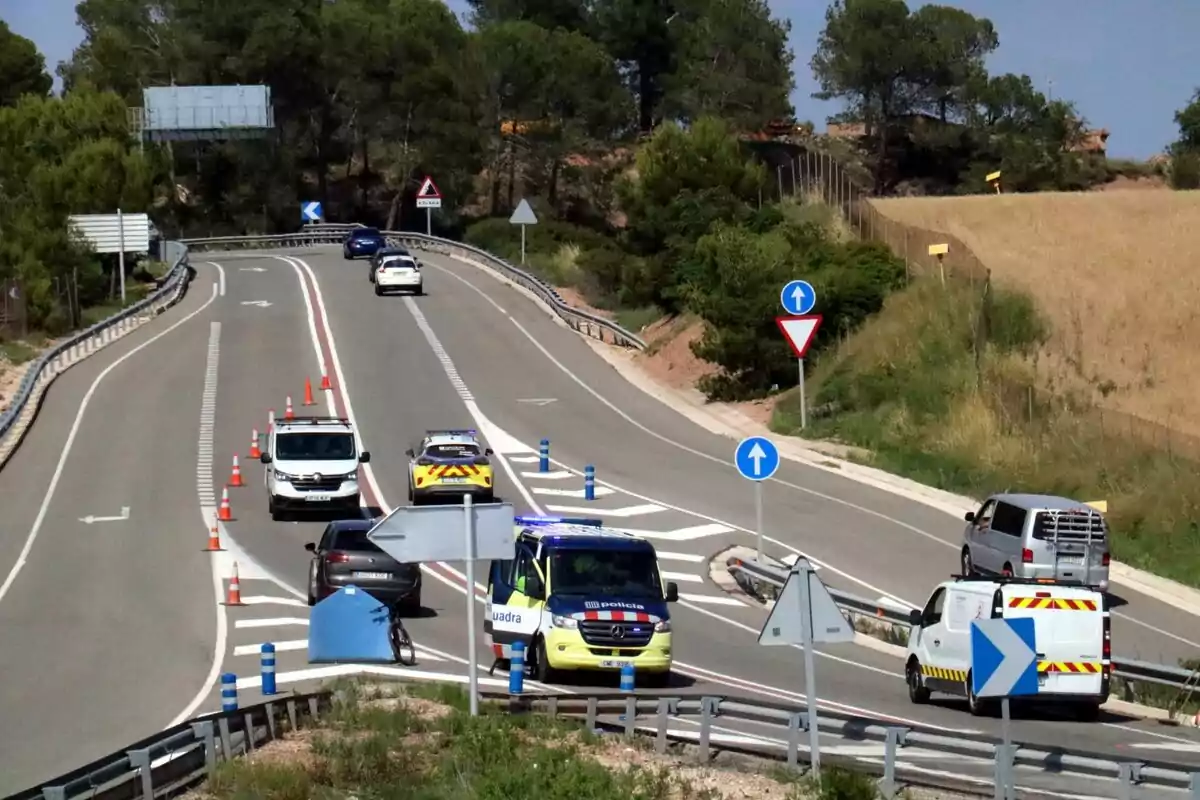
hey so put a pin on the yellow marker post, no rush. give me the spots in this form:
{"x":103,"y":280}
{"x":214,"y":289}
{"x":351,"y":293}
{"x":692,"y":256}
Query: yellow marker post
{"x":939,"y":252}
{"x":1099,"y":505}
{"x":993,"y":178}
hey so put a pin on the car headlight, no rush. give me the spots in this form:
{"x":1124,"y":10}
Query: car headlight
{"x":566,"y":623}
{"x":283,"y":476}
{"x":662,"y":626}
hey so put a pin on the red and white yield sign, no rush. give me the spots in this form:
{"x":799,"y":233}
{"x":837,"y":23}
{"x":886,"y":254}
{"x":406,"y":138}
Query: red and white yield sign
{"x":799,"y":331}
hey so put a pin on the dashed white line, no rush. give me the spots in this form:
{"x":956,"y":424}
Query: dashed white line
{"x":269,"y":622}
{"x":280,"y":647}
{"x":261,"y":599}
{"x":687,"y":577}
{"x":555,"y":475}
{"x":627,"y":511}
{"x":666,"y":555}
{"x":601,"y":491}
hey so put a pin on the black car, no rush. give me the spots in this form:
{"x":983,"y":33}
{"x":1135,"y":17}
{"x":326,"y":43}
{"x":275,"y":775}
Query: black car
{"x":362,"y":242}
{"x":346,"y":556}
{"x":380,"y":255}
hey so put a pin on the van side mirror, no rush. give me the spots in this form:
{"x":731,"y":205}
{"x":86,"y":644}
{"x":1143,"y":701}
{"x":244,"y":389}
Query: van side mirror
{"x":310,"y":547}
{"x":265,"y":458}
{"x":969,"y":516}
{"x":409,"y":452}
{"x":364,"y":457}
{"x":914,"y":618}
{"x":672,"y":592}
{"x":534,"y":587}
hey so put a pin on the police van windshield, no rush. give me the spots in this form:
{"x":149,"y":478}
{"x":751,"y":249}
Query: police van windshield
{"x":314,"y":447}
{"x":623,"y":573}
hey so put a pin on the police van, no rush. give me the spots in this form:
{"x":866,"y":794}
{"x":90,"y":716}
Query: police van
{"x":1073,"y":630}
{"x":580,"y":597}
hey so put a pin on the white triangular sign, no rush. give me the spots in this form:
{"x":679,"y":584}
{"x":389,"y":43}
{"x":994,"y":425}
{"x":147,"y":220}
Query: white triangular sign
{"x":428,"y":189}
{"x":523,"y":215}
{"x":829,"y":624}
{"x":799,"y":331}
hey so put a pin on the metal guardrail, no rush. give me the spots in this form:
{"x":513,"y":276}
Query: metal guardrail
{"x":1126,"y":668}
{"x":169,"y":290}
{"x":183,"y":756}
{"x":582,"y":321}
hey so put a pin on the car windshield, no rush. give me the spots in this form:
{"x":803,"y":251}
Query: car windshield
{"x":365,"y":233}
{"x":314,"y":447}
{"x":616,"y":573}
{"x":354,"y":540}
{"x":452,"y":451}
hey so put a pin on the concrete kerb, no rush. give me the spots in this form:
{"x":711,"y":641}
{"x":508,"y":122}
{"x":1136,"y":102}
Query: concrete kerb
{"x":735,"y":425}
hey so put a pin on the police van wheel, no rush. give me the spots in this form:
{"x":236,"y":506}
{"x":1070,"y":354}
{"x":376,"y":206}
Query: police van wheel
{"x":917,"y":692}
{"x":542,"y":671}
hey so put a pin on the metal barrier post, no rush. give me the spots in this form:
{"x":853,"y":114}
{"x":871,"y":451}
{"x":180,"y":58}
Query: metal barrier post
{"x":1196,"y":786}
{"x":544,"y":456}
{"x":516,"y":669}
{"x":895,"y":739}
{"x":229,"y":698}
{"x":203,"y":731}
{"x":660,"y":739}
{"x":589,"y":482}
{"x":268,"y":669}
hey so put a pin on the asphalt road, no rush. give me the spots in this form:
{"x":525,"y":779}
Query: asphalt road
{"x":104,"y":631}
{"x":444,"y":359}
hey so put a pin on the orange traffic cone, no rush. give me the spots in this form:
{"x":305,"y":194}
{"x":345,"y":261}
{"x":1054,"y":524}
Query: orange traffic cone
{"x":234,"y":597}
{"x":326,"y":386}
{"x":308,"y":395}
{"x":225,"y":513}
{"x":254,"y":451}
{"x":270,"y":420}
{"x":288,"y":413}
{"x":236,"y":478}
{"x":214,"y":536}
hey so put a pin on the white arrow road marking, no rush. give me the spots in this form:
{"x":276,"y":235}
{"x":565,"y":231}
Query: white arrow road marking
{"x":269,"y":623}
{"x":664,"y":555}
{"x":124,"y":515}
{"x":260,"y":599}
{"x":687,"y":577}
{"x":708,"y":599}
{"x":538,"y":401}
{"x":601,"y":491}
{"x":259,"y":303}
{"x":680,"y":534}
{"x":556,"y":475}
{"x":253,"y":269}
{"x":1017,"y":658}
{"x":627,"y":511}
{"x":523,"y":459}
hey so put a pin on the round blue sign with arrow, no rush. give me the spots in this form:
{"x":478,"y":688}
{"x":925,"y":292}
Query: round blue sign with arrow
{"x":756,"y":458}
{"x":798,"y":298}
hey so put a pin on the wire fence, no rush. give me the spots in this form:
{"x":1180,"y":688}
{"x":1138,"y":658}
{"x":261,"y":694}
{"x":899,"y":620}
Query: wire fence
{"x":822,"y":176}
{"x":12,"y":310}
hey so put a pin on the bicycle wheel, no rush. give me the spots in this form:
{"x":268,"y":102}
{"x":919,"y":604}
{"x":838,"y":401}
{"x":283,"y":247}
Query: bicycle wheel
{"x":402,"y":646}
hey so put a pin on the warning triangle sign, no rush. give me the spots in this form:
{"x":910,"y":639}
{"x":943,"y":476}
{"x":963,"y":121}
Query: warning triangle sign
{"x":428,"y":189}
{"x":828,"y":624}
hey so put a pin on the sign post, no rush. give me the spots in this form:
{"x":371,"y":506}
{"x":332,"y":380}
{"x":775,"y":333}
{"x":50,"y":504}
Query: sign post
{"x":757,"y":458}
{"x":311,"y":212}
{"x":1004,"y":665}
{"x":798,"y":298}
{"x":121,"y":251}
{"x":523,"y":215}
{"x":428,"y":198}
{"x":416,"y":535}
{"x":799,"y":333}
{"x":805,"y":614}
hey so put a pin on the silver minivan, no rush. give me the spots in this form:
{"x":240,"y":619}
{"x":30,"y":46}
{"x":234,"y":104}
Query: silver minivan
{"x":1037,"y":536}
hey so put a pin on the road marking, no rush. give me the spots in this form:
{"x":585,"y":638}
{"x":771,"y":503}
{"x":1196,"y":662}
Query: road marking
{"x":259,"y":303}
{"x":270,"y":622}
{"x":280,"y":647}
{"x":712,"y":600}
{"x":601,"y":491}
{"x":260,"y":599}
{"x":680,"y":534}
{"x":665,"y":555}
{"x":1178,"y":747}
{"x":627,"y":511}
{"x":90,"y":519}
{"x":252,"y":269}
{"x":44,"y":508}
{"x":525,"y":460}
{"x":557,"y":475}
{"x":538,"y":401}
{"x":682,"y":576}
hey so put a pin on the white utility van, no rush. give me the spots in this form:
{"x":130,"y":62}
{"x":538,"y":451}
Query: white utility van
{"x":312,"y":465}
{"x":1073,"y":638}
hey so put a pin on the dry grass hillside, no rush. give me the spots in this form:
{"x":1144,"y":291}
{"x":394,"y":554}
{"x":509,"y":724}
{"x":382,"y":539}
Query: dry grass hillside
{"x":1117,"y":275}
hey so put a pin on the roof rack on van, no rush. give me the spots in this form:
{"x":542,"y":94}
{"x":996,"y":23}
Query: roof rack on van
{"x":1018,"y":581}
{"x":312,"y":421}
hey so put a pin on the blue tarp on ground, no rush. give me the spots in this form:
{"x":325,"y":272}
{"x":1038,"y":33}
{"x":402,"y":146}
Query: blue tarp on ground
{"x":349,"y":626}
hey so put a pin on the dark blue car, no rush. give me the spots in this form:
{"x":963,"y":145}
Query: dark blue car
{"x":362,"y":242}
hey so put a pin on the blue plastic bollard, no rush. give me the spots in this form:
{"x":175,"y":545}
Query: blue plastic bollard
{"x":268,"y":668}
{"x":627,"y":678}
{"x":229,"y":692}
{"x":544,"y":456}
{"x":589,"y":482}
{"x":516,"y":669}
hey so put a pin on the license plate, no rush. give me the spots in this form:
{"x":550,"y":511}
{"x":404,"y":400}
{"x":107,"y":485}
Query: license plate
{"x":615,"y":664}
{"x":1070,"y":559}
{"x":379,"y":576}
{"x":454,"y":480}
{"x":317,"y":498}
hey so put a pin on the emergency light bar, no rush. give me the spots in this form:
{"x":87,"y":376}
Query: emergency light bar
{"x":453,"y":432}
{"x":533,"y":520}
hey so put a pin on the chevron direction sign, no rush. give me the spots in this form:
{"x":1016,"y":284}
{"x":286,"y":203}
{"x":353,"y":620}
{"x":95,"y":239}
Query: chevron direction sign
{"x":1004,"y":658}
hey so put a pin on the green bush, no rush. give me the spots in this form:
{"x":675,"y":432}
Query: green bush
{"x":841,"y":784}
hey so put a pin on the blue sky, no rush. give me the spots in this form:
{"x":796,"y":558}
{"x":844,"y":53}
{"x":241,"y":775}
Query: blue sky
{"x":1127,"y":64}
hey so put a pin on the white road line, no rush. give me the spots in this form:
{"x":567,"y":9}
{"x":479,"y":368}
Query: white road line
{"x":525,"y":460}
{"x":260,"y":599}
{"x":556,"y":475}
{"x":627,"y":511}
{"x":681,"y":534}
{"x":269,"y":623}
{"x":682,"y":576}
{"x":601,"y":491}
{"x":280,"y":647}
{"x":44,"y":508}
{"x":710,"y":600}
{"x":666,"y":555}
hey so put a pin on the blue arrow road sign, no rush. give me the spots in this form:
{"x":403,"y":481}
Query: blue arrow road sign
{"x":311,"y":212}
{"x":1003,"y":657}
{"x":756,"y":458}
{"x":798,"y":298}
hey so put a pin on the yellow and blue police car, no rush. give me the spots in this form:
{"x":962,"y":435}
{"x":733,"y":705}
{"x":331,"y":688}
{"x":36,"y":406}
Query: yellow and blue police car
{"x":449,"y":464}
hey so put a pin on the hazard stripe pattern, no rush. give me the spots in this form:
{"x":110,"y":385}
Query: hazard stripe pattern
{"x":616,"y":616}
{"x":1060,"y":603}
{"x":454,"y":471}
{"x":1091,"y":667}
{"x":944,"y":674}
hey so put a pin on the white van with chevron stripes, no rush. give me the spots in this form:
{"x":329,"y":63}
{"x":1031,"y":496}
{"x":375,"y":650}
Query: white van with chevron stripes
{"x":1073,"y":634}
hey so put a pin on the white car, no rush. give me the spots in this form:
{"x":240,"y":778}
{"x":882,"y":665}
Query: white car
{"x":312,"y":464}
{"x":399,"y":272}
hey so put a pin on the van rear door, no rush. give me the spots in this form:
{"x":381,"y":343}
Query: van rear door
{"x":1069,"y":624}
